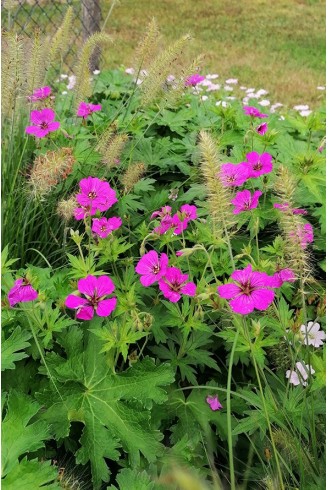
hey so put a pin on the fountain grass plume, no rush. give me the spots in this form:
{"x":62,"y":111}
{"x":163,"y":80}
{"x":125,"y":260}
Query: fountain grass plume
{"x":159,"y":70}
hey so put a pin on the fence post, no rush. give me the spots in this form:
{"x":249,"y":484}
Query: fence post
{"x":91,"y":17}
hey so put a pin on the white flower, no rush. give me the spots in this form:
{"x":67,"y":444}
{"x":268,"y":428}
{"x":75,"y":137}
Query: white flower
{"x":129,"y":71}
{"x":64,"y":92}
{"x":250,"y":90}
{"x":212,"y":76}
{"x":204,"y":97}
{"x":170,"y":78}
{"x":228,"y":88}
{"x":305,"y":113}
{"x":233,"y":81}
{"x":262,"y":92}
{"x":213,"y":86}
{"x":72,"y":82}
{"x":231,"y":98}
{"x":138,"y":81}
{"x":312,"y":334}
{"x":253,"y":95}
{"x":301,"y":107}
{"x":242,"y":87}
{"x":63,"y":76}
{"x":300,"y":375}
{"x":222,"y":103}
{"x":206,"y":83}
{"x":281,"y":118}
{"x":275,"y":106}
{"x":321,"y":87}
{"x":245,"y":100}
{"x":264,"y":102}
{"x":96,"y":72}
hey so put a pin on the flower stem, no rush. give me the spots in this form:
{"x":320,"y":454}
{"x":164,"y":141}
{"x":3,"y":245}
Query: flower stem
{"x":231,"y":464}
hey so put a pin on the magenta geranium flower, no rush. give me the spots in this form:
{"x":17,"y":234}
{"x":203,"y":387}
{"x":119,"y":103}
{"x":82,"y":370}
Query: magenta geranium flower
{"x":43,"y":123}
{"x":262,"y":129}
{"x":162,"y":213}
{"x":194,"y":79}
{"x":284,"y":207}
{"x":85,"y":109}
{"x":258,"y":164}
{"x":174,"y":283}
{"x":250,"y":291}
{"x":244,"y":201}
{"x":40,"y":94}
{"x":232,"y":175}
{"x":96,"y":193}
{"x":151,"y":267}
{"x":84,"y":211}
{"x":281,"y":276}
{"x":303,"y":236}
{"x":103,"y":226}
{"x":95,"y":290}
{"x":214,"y":402}
{"x":253,"y":112}
{"x":21,"y":292}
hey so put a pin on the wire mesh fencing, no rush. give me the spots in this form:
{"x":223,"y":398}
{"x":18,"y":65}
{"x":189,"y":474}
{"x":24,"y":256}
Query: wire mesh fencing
{"x":26,"y":16}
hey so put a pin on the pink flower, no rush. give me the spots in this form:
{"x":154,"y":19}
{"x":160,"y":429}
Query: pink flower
{"x":251,"y":291}
{"x":281,"y":276}
{"x":262,"y":129}
{"x":181,"y":219}
{"x":84,"y":211}
{"x":253,"y":112}
{"x":285,"y":207}
{"x":258,"y":164}
{"x":303,"y":235}
{"x":95,"y":289}
{"x":151,"y":267}
{"x":244,"y":201}
{"x":162,"y":213}
{"x":174,"y":283}
{"x":214,"y":403}
{"x":103,"y":226}
{"x":312,"y":334}
{"x":43,"y":123}
{"x":194,"y":79}
{"x":21,"y":292}
{"x":232,"y":175}
{"x":85,"y":109}
{"x":40,"y":94}
{"x":96,"y":193}
{"x":300,"y":375}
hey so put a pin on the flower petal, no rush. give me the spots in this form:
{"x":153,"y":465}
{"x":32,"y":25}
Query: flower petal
{"x":243,"y":304}
{"x":228,"y":291}
{"x":88,"y":285}
{"x":262,"y":298}
{"x":106,"y":306}
{"x":85,"y":313}
{"x":73,"y":301}
{"x":104,"y":286}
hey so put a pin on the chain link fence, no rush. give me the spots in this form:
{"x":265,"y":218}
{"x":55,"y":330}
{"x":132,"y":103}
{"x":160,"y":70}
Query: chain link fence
{"x":26,"y":16}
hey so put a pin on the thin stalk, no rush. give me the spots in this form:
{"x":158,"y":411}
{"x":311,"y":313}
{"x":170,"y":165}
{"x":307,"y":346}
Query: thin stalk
{"x":231,"y":463}
{"x":281,"y":482}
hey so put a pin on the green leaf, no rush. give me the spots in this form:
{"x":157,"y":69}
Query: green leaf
{"x":10,"y":347}
{"x":32,"y":475}
{"x":18,"y":435}
{"x":128,"y":479}
{"x":109,"y":405}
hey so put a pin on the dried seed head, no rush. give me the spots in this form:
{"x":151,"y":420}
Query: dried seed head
{"x":49,"y":169}
{"x":132,"y":175}
{"x":66,"y":208}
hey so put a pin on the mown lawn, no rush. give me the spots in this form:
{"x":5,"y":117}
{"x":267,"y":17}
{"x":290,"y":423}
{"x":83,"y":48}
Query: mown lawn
{"x":279,"y":46}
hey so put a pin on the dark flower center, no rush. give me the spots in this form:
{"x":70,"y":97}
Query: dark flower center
{"x":92,"y":195}
{"x":246,"y":288}
{"x":103,"y":228}
{"x":231,"y":178}
{"x":44,"y":125}
{"x":175,"y":286}
{"x":156,"y":269}
{"x":258,"y":166}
